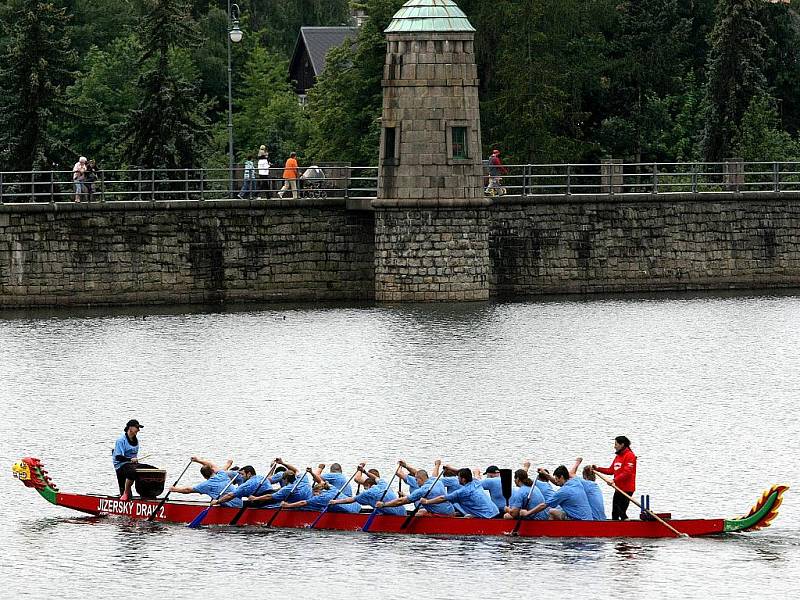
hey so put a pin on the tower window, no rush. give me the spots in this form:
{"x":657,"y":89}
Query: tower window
{"x":459,"y":142}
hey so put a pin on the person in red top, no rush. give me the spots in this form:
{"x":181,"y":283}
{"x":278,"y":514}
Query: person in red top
{"x":623,"y":468}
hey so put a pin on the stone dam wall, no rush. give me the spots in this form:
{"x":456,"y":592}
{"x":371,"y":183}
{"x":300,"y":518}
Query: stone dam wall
{"x":319,"y":250}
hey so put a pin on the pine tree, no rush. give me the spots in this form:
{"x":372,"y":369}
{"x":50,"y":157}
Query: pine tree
{"x":170,"y":127}
{"x":735,"y":73}
{"x":37,"y":66}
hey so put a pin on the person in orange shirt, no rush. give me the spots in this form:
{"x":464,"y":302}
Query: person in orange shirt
{"x":290,"y":170}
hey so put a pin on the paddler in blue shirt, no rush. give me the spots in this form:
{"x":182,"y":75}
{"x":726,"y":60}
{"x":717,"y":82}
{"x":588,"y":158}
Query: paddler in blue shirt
{"x":216,"y":480}
{"x":470,"y":497}
{"x":523,"y":497}
{"x":251,"y":483}
{"x":494,"y":484}
{"x":374,"y":487}
{"x":423,"y":486}
{"x":336,"y":479}
{"x":570,"y":499}
{"x":323,"y":493}
{"x":289,"y":492}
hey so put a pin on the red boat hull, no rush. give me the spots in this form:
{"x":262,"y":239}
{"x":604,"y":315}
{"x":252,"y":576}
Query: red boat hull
{"x":185,"y":512}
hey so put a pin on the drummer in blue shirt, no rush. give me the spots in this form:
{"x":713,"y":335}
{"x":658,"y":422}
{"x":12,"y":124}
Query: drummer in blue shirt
{"x":470,"y":497}
{"x":374,"y":488}
{"x":125,"y":457}
{"x":570,"y":499}
{"x":423,"y":487}
{"x":217,"y":479}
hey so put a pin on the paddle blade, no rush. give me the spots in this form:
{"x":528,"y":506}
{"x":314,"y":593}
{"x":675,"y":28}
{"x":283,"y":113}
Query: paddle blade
{"x":370,"y":519}
{"x":319,"y":516}
{"x":198,"y":520}
{"x":505,"y":482}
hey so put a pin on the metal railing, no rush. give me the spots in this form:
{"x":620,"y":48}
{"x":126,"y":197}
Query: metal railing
{"x":614,"y":178}
{"x":533,"y":180}
{"x":170,"y":185}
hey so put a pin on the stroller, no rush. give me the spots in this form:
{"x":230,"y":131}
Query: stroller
{"x":312,"y":181}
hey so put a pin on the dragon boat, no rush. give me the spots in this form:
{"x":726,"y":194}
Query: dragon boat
{"x":31,"y":472}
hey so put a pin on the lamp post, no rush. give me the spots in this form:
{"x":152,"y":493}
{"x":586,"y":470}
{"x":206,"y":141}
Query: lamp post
{"x":234,"y":35}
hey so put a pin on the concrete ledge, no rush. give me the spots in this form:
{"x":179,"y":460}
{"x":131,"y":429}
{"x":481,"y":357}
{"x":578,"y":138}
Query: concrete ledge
{"x":171,"y":205}
{"x":709,"y":197}
{"x":431,"y":203}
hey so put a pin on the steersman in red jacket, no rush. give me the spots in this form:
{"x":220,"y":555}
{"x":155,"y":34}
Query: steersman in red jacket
{"x":623,"y":468}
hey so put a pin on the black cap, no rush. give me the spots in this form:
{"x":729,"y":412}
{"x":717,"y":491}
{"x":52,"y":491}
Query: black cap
{"x":492,"y":469}
{"x":133,"y":423}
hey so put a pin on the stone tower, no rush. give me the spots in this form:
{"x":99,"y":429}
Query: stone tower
{"x":431,"y":219}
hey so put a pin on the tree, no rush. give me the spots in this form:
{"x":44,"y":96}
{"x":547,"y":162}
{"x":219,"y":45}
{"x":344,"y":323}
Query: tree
{"x":37,"y":66}
{"x":345,"y":104}
{"x":760,"y":137}
{"x":170,"y":128}
{"x":735,"y":73}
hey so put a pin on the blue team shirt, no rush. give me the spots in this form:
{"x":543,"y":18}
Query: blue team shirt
{"x":257,"y":483}
{"x":595,"y":498}
{"x":473,"y":500}
{"x":451,"y":484}
{"x":373,"y":495}
{"x":494,"y":485}
{"x":337,"y":480}
{"x":546,"y":489}
{"x":123,"y":447}
{"x":519,"y":499}
{"x":572,"y":500}
{"x":429,"y":490}
{"x":411,"y":481}
{"x":214,"y":485}
{"x":303,"y":491}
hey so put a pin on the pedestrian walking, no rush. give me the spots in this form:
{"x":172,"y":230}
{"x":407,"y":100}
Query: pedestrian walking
{"x":263,"y":173}
{"x":78,"y":177}
{"x":290,"y":170}
{"x":248,"y":185}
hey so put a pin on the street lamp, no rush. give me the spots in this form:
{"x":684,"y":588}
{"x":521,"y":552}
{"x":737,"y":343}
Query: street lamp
{"x":234,"y":35}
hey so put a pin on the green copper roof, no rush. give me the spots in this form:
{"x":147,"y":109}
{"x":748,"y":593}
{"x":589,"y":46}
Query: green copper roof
{"x":434,"y":16}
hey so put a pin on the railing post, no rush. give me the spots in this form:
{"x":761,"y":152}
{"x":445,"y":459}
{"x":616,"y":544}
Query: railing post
{"x":139,"y":192}
{"x":569,"y":180}
{"x":152,"y":185}
{"x":776,"y":177}
{"x":655,"y":178}
{"x":694,"y":178}
{"x":186,"y":181}
{"x":102,"y":186}
{"x":33,"y":186}
{"x":525,"y":171}
{"x":1,"y":189}
{"x":202,"y":186}
{"x":52,"y":189}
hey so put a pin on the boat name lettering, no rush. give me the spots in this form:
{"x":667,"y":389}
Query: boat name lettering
{"x":131,"y":508}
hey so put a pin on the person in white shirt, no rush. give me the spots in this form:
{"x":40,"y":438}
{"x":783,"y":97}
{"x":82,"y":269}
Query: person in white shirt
{"x":78,"y":176}
{"x":263,"y":174}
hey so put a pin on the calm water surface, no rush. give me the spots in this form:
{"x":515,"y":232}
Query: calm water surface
{"x":706,"y":387}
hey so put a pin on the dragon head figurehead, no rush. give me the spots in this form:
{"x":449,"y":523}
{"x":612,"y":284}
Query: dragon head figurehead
{"x":32,"y":474}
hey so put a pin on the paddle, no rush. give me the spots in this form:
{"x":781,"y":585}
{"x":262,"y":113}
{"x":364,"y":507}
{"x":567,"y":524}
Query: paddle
{"x":647,"y":510}
{"x":375,"y":510}
{"x":413,"y":514}
{"x":239,"y":514}
{"x":164,"y":499}
{"x":505,"y":483}
{"x":280,"y":508}
{"x":327,"y":506}
{"x":518,"y":524}
{"x":198,"y":520}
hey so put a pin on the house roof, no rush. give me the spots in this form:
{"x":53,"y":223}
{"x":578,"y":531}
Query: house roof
{"x":318,"y":40}
{"x":417,"y":16}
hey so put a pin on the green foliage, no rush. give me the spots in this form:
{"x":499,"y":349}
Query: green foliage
{"x":38,"y":63}
{"x":169,"y":128}
{"x":760,"y":138}
{"x":345,"y":104}
{"x":735,"y":73}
